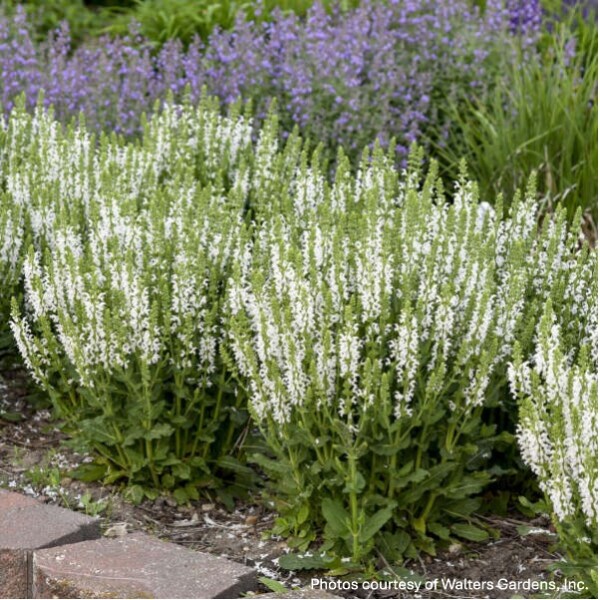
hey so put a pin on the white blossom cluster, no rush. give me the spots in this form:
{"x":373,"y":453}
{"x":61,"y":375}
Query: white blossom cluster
{"x":395,"y":287}
{"x":558,"y":425}
{"x":359,"y":302}
{"x":130,"y":248}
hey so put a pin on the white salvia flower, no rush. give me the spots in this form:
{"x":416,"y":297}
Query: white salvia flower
{"x":349,"y":352}
{"x":404,"y":349}
{"x":557,"y":433}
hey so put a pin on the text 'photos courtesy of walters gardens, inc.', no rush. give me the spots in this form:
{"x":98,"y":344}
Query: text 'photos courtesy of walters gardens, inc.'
{"x":334,"y":261}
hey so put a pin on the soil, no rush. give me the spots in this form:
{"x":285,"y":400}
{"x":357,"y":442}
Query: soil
{"x":35,"y":461}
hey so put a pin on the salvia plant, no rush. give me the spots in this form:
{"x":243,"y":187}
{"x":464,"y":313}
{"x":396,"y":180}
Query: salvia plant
{"x":371,"y":323}
{"x":166,"y":287}
{"x":123,"y":280}
{"x":557,"y":434}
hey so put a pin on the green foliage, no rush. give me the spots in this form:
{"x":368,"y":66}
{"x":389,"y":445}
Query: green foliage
{"x":92,"y":507}
{"x":162,"y":20}
{"x":159,"y":20}
{"x":169,"y":286}
{"x":541,"y":115}
{"x":48,"y":15}
{"x":273,"y":585}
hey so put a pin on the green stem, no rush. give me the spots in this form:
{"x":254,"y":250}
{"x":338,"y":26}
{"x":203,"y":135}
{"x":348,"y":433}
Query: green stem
{"x":354,"y":510}
{"x":428,"y":506}
{"x":215,"y":415}
{"x":148,"y":425}
{"x":450,"y":440}
{"x":419,"y":457}
{"x":231,"y":427}
{"x":200,"y":428}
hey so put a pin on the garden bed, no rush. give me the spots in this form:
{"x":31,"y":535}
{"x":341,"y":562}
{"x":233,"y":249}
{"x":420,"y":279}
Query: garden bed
{"x":35,"y":461}
{"x":335,"y":319}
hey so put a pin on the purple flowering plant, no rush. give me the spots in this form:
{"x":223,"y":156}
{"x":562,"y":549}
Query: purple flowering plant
{"x":383,"y":70}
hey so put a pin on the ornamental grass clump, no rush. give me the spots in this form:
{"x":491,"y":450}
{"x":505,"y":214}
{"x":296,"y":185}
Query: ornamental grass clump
{"x":557,"y":391}
{"x":121,"y":323}
{"x":371,"y":328}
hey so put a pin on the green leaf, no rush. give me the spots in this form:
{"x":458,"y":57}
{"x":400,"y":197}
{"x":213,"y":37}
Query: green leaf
{"x":133,"y":434}
{"x":181,"y":471}
{"x":355,"y":486}
{"x":442,"y":532}
{"x":135,"y":493}
{"x":394,"y":544}
{"x":181,"y":495}
{"x":159,"y":431}
{"x":434,"y":477}
{"x":231,"y":464}
{"x":13,"y":417}
{"x":470,"y":532}
{"x":96,"y":430}
{"x":336,"y":516}
{"x":462,"y":508}
{"x":226,"y":498}
{"x":468,"y":485}
{"x":417,"y":476}
{"x":269,"y":465}
{"x":199,"y":462}
{"x":275,"y":586}
{"x":298,"y":562}
{"x":192,"y":491}
{"x":375,"y":523}
{"x":168,"y":481}
{"x":88,"y":472}
{"x":151,"y":493}
{"x":302,"y":514}
{"x":297,"y":542}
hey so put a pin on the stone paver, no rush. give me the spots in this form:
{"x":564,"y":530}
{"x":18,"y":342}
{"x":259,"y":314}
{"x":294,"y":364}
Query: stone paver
{"x":136,"y":566}
{"x":26,"y":525}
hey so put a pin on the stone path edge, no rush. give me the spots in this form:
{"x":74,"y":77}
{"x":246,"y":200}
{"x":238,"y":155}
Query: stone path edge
{"x":47,"y":551}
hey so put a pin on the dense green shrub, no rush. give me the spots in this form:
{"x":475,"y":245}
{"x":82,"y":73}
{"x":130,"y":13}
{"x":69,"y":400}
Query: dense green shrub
{"x":163,"y":20}
{"x":47,"y":15}
{"x":158,"y":20}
